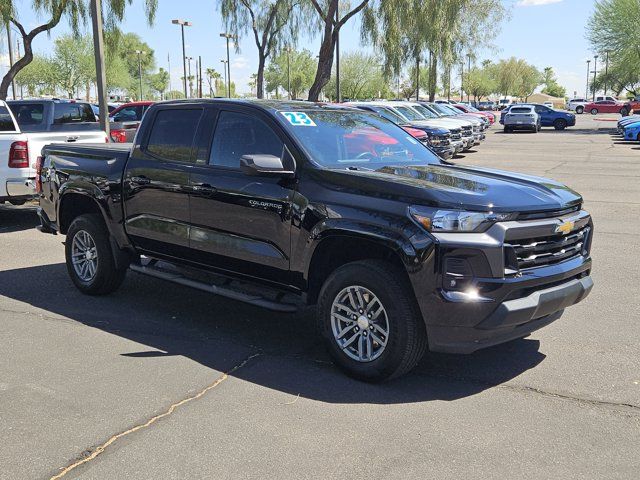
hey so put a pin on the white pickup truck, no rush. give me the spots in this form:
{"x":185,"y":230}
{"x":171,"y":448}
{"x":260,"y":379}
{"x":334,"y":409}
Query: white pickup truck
{"x":28,"y":125}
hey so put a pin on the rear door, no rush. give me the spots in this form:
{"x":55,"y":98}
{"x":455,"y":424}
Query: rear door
{"x":156,"y":181}
{"x":546,"y":115}
{"x":241,"y":223}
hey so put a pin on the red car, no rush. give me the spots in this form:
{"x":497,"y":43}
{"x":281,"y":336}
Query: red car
{"x":604,"y":106}
{"x":473,"y":111}
{"x":125,"y":120}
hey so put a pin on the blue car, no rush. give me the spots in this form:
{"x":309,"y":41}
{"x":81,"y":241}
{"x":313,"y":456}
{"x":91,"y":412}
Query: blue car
{"x":632,"y":131}
{"x":549,"y":117}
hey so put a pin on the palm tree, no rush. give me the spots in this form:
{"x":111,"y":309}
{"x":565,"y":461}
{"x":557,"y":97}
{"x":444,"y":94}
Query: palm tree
{"x":212,"y":79}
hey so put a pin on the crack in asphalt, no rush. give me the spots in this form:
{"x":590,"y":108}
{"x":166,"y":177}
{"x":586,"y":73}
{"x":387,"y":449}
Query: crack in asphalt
{"x":113,"y":439}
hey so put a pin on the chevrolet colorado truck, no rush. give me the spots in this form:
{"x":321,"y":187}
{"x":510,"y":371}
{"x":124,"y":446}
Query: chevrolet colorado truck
{"x":286,"y":204}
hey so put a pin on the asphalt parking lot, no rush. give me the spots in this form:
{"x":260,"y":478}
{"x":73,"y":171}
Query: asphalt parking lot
{"x":159,"y":381}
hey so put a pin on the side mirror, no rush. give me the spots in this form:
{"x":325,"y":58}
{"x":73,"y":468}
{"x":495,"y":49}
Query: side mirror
{"x":264,"y":166}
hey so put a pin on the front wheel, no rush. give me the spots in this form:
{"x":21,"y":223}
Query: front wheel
{"x":89,"y":257}
{"x":594,"y":111}
{"x":371,"y":323}
{"x":579,"y":110}
{"x":560,"y":124}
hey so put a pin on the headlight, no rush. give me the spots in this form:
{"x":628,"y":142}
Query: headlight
{"x":456,"y":220}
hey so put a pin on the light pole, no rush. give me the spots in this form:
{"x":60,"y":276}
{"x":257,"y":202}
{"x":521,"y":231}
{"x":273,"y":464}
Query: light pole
{"x":98,"y":52}
{"x":183,"y":23}
{"x":140,"y":53}
{"x":288,"y":73}
{"x":189,"y":77}
{"x":595,"y":71}
{"x":338,"y":56}
{"x":468,"y":71}
{"x":586,"y":93}
{"x":228,"y":36}
{"x":606,"y":71}
{"x":224,"y":63}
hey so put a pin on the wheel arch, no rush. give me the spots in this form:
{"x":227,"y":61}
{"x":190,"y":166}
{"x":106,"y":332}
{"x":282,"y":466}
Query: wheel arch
{"x":73,"y":204}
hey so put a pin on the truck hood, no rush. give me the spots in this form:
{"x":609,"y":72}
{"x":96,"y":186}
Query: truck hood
{"x":463,"y":187}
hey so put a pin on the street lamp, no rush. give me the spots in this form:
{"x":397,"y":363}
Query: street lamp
{"x":224,"y":63}
{"x":288,"y":73}
{"x":595,"y":71}
{"x":586,"y":93}
{"x":140,"y":53}
{"x":468,"y":71}
{"x":183,"y":23}
{"x":228,"y":36}
{"x":190,"y":81}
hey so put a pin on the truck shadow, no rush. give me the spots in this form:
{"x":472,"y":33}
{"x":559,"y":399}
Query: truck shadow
{"x":218,"y":333}
{"x":16,"y":219}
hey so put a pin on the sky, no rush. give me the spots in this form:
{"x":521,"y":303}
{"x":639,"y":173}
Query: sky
{"x":543,"y":32}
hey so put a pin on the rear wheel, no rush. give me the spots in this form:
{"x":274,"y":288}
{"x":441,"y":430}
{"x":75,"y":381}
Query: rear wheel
{"x":594,"y":111}
{"x":507,"y":129}
{"x":90,"y":261}
{"x":579,"y":109}
{"x":560,"y":124}
{"x":624,"y":111}
{"x":370,"y":321}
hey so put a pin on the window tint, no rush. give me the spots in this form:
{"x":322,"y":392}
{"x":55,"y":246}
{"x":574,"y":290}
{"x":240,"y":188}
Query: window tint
{"x":28,"y":113}
{"x":128,"y":114}
{"x":72,"y":113}
{"x":520,"y":110}
{"x":239,"y":134}
{"x":173,"y":132}
{"x":6,"y":122}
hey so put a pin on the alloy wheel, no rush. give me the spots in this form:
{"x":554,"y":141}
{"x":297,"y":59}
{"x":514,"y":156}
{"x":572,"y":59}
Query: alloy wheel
{"x":359,"y":323}
{"x":84,"y":255}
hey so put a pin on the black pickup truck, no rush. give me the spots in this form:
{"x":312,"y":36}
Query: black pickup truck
{"x":282,"y":204}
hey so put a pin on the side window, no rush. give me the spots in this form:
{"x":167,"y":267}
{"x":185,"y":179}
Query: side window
{"x":6,"y":122}
{"x":172,"y":134}
{"x":72,"y":113}
{"x":239,"y":134}
{"x":126,"y":115}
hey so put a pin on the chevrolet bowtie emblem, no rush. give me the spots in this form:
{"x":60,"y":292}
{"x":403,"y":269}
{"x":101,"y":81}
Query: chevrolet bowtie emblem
{"x":565,"y":227}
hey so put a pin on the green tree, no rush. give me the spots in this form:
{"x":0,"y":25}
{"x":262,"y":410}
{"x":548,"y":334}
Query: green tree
{"x":159,"y":82}
{"x":551,"y":85}
{"x":213,"y":78}
{"x":302,"y":67}
{"x":479,"y":82}
{"x":74,"y":65}
{"x":75,"y":11}
{"x":39,"y":77}
{"x":266,"y":21}
{"x":174,"y":94}
{"x":613,"y":28}
{"x":360,"y":78}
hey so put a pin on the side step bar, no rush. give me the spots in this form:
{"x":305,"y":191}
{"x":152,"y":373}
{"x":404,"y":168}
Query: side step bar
{"x":224,"y":290}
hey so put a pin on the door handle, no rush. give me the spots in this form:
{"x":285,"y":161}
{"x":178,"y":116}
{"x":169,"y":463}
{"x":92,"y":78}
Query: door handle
{"x":203,"y":189}
{"x":141,"y":180}
{"x":72,"y":138}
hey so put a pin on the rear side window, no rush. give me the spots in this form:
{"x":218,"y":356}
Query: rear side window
{"x":520,"y":110}
{"x":6,"y":122}
{"x":28,"y":113}
{"x":173,"y":132}
{"x":239,"y":134}
{"x":72,"y":113}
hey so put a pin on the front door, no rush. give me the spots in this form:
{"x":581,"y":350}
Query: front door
{"x":156,"y":182}
{"x":241,"y":223}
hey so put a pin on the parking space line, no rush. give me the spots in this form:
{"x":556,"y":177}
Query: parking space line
{"x":101,"y":448}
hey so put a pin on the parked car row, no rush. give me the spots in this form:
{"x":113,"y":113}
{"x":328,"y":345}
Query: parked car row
{"x":450,"y":129}
{"x":601,"y":104}
{"x":534,"y":116}
{"x":629,"y":128}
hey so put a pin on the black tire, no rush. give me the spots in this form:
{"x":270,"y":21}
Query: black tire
{"x":407,"y":339}
{"x":560,"y":124}
{"x":507,"y":129}
{"x":579,"y":110}
{"x":624,"y":111}
{"x":108,"y":277}
{"x":594,"y":111}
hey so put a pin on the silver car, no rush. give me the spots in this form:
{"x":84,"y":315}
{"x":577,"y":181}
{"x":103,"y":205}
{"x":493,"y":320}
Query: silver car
{"x":521,"y":117}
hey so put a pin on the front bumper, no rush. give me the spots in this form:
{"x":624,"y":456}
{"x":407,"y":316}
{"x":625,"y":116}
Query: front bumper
{"x":445,"y":152}
{"x":468,"y":142}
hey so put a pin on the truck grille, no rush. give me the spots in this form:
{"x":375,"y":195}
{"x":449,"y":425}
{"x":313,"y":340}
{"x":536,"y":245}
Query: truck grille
{"x":455,"y":134}
{"x":541,"y":251}
{"x":467,"y":131}
{"x":476,"y":129}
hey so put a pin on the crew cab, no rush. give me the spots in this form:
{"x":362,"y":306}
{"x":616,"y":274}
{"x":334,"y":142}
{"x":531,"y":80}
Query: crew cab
{"x":549,"y":117}
{"x":15,"y":174}
{"x":282,"y":204}
{"x":631,"y":106}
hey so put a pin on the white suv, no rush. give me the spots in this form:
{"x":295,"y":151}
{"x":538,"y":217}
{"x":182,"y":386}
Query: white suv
{"x":577,"y":104}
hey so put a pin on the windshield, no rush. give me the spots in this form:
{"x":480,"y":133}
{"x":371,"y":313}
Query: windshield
{"x":471,"y":108}
{"x":425,"y":112}
{"x":389,"y":115}
{"x":349,"y":139}
{"x":439,"y":108}
{"x":451,"y":110}
{"x":408,"y":113}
